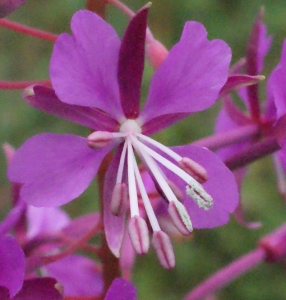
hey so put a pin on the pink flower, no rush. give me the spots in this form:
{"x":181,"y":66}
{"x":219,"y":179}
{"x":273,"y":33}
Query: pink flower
{"x":97,"y":82}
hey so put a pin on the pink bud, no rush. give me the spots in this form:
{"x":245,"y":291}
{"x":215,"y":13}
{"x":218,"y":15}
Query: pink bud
{"x":194,"y":169}
{"x":164,"y":249}
{"x":8,"y":6}
{"x":138,"y":233}
{"x":9,"y":152}
{"x":156,"y":53}
{"x":99,"y":139}
{"x":180,"y":217}
{"x":119,"y":200}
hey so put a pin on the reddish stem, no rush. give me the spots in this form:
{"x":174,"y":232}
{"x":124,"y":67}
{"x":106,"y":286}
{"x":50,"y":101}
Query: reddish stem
{"x":28,"y":30}
{"x":252,"y":153}
{"x":16,"y":85}
{"x":227,"y":274}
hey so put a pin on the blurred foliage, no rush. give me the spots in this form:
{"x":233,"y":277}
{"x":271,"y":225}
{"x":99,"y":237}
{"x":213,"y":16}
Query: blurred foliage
{"x":24,"y":57}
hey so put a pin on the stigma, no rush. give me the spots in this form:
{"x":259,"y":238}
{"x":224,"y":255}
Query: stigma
{"x":128,"y":193}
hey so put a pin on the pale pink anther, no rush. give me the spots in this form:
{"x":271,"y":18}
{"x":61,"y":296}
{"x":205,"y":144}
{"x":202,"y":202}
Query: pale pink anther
{"x":164,"y":249}
{"x":194,"y":169}
{"x":119,"y":200}
{"x":180,"y":217}
{"x":177,"y":192}
{"x":138,"y":233}
{"x":99,"y":139}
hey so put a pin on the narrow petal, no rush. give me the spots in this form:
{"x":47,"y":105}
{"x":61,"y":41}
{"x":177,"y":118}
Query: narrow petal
{"x":12,"y":262}
{"x":83,"y":66}
{"x":258,"y":46}
{"x":54,"y":169}
{"x":220,"y":185}
{"x":44,"y":98}
{"x":113,"y":225}
{"x":8,"y":6}
{"x":131,"y":64}
{"x":237,"y":81}
{"x":121,"y":289}
{"x":78,"y":275}
{"x":191,"y":76}
{"x":39,"y":289}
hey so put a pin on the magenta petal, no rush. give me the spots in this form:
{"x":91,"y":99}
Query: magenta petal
{"x":78,"y":227}
{"x":39,"y":289}
{"x":220,"y":185}
{"x":131,"y":64}
{"x":12,"y":262}
{"x":113,"y":225}
{"x":54,"y":169}
{"x":12,"y":218}
{"x":121,"y":289}
{"x":79,"y":275}
{"x":83,"y":66}
{"x":44,"y":98}
{"x":8,"y":6}
{"x":45,"y":220}
{"x":191,"y":76}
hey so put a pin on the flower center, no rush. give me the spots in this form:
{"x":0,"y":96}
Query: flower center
{"x":153,"y":155}
{"x":130,"y":126}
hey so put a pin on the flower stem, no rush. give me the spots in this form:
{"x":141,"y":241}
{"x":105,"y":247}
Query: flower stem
{"x":14,"y":85}
{"x":252,"y":153}
{"x":230,"y":137}
{"x":227,"y":274}
{"x":28,"y":30}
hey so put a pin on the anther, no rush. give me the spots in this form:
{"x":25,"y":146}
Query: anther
{"x":194,"y":169}
{"x":99,"y":139}
{"x":119,"y":200}
{"x":180,"y":217}
{"x":200,"y":196}
{"x":138,"y":233}
{"x":164,"y":249}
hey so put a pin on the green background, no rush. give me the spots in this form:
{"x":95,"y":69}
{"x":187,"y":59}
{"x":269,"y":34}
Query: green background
{"x":23,"y":58}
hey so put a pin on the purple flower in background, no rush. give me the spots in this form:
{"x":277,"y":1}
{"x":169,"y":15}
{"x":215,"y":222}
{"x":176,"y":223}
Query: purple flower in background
{"x":97,"y":82}
{"x":121,"y":289}
{"x":8,"y":6}
{"x":264,"y":119}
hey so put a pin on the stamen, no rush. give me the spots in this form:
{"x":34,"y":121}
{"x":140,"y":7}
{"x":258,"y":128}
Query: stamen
{"x":156,"y":171}
{"x":164,"y":249}
{"x":99,"y":139}
{"x":119,"y":199}
{"x":201,"y":197}
{"x":160,"y":146}
{"x":134,"y":209}
{"x":148,"y":207}
{"x":138,"y":233}
{"x":180,"y":217}
{"x":194,"y":188}
{"x":121,"y":164}
{"x":194,"y":169}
